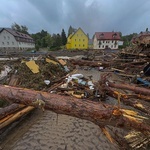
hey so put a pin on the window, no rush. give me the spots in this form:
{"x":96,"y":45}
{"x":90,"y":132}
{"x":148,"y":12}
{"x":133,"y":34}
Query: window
{"x":7,"y":43}
{"x":4,"y":37}
{"x":101,"y":35}
{"x":8,"y":37}
{"x":75,"y":45}
{"x":79,"y":45}
{"x":3,"y":43}
{"x":83,"y":39}
{"x":75,"y":39}
{"x":114,"y":35}
{"x":99,"y":46}
{"x":83,"y":45}
{"x":112,"y":41}
{"x":79,"y":39}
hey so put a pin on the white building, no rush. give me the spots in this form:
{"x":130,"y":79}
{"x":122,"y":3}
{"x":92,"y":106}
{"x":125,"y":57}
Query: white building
{"x":107,"y":40}
{"x":14,"y":41}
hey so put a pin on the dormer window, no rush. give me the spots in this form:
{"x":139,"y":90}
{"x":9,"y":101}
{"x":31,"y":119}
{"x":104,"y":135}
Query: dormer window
{"x":101,"y":35}
{"x":114,"y":35}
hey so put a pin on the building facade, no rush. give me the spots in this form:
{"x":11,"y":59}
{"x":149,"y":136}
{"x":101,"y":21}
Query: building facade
{"x":107,"y":40}
{"x":77,"y":40}
{"x":14,"y":41}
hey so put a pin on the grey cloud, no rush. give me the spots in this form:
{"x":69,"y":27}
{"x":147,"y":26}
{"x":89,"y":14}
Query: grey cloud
{"x":127,"y":16}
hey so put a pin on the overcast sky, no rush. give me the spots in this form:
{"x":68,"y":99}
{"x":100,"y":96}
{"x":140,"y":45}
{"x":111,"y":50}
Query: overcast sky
{"x":126,"y":16}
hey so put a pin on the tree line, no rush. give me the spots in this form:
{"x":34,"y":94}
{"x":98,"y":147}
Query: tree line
{"x":43,"y":39}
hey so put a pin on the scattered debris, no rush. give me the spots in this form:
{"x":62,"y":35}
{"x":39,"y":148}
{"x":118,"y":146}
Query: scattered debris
{"x":125,"y":77}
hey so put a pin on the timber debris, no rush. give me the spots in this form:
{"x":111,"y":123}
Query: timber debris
{"x":120,"y":98}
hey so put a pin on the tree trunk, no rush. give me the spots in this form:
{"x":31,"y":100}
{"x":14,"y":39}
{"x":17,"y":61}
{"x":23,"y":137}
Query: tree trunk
{"x":138,"y":90}
{"x":98,"y":113}
{"x":16,"y":116}
{"x":89,"y":63}
{"x":143,"y":106}
{"x":10,"y":109}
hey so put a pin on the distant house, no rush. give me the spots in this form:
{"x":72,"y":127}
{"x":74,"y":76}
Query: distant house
{"x":14,"y":41}
{"x":107,"y":40}
{"x":77,"y":40}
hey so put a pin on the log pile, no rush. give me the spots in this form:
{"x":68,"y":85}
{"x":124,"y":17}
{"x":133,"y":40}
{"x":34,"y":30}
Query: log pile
{"x":83,"y":98}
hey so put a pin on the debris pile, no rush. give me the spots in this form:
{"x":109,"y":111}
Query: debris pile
{"x":119,"y":99}
{"x":37,"y":74}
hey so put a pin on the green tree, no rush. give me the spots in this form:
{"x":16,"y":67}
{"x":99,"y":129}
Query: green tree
{"x":71,"y":30}
{"x":127,"y":39}
{"x":49,"y":40}
{"x":43,"y":33}
{"x":63,"y":37}
{"x":16,"y":27}
{"x":43,"y":42}
{"x":56,"y":40}
{"x":24,"y":29}
{"x":40,"y":38}
{"x":20,"y":28}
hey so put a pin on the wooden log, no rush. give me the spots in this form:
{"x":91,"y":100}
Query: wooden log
{"x":98,"y":113}
{"x":115,"y":69}
{"x":10,"y":109}
{"x":130,"y":101}
{"x":16,"y":116}
{"x":89,"y":63}
{"x":138,"y":90}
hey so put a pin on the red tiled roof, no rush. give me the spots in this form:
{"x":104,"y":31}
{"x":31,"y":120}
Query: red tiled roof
{"x":107,"y":35}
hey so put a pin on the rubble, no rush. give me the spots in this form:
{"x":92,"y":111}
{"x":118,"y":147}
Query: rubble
{"x":124,"y":77}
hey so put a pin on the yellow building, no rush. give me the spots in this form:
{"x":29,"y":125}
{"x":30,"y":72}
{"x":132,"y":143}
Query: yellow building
{"x":77,"y":40}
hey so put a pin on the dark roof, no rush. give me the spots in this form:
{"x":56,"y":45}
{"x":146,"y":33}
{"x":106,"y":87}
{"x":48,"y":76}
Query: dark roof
{"x":17,"y":34}
{"x":107,"y":35}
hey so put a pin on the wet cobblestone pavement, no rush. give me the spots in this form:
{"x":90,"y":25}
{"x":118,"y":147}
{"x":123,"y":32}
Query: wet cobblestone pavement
{"x":62,"y":132}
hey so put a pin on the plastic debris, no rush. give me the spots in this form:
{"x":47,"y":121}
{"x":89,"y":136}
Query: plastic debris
{"x":5,"y":72}
{"x":33,"y":66}
{"x":47,"y":82}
